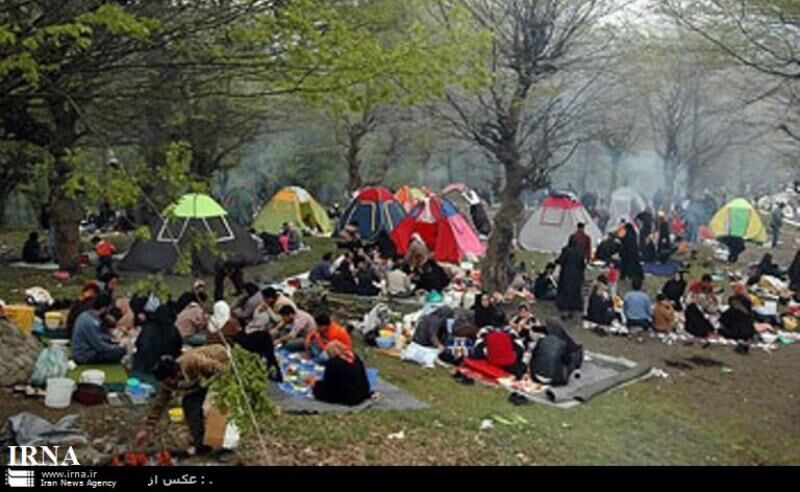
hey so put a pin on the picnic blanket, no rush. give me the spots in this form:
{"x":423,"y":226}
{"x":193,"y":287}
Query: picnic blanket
{"x":667,"y":269}
{"x":599,"y":374}
{"x":389,"y":397}
{"x":294,"y":394}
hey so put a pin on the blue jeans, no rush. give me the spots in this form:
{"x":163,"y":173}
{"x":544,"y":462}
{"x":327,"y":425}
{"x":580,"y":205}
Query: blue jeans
{"x":776,"y":235}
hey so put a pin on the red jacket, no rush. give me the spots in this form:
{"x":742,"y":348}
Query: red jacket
{"x":104,"y":248}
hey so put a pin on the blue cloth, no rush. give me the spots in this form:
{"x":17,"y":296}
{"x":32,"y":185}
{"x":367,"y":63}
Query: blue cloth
{"x":637,"y":306}
{"x":321,"y":272}
{"x":91,"y":342}
{"x":667,"y":269}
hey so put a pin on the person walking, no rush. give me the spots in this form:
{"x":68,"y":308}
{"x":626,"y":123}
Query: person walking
{"x":775,"y":223}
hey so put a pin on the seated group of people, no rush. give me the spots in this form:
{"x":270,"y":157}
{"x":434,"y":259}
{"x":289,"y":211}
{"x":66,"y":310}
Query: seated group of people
{"x":287,"y":241}
{"x":521,"y":345}
{"x":369,"y":270}
{"x":259,"y":321}
{"x":698,"y":301}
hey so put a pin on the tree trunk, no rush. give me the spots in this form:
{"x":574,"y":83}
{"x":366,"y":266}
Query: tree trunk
{"x":65,"y":212}
{"x":354,"y":179}
{"x":670,"y":175}
{"x":501,"y":242}
{"x":616,"y":160}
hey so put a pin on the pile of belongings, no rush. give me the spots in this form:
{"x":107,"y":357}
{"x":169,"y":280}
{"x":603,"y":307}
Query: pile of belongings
{"x":18,"y":354}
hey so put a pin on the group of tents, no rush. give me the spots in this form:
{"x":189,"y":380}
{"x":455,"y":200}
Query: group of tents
{"x":548,"y":228}
{"x":450,"y":224}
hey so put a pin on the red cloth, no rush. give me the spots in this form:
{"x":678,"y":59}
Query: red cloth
{"x":283,"y":240}
{"x":613,"y":275}
{"x":584,"y":242}
{"x":698,"y":287}
{"x":500,"y":349}
{"x":104,"y":248}
{"x":484,"y":369}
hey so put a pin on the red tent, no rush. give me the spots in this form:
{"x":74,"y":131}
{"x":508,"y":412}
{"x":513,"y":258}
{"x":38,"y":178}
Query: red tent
{"x":446,"y":233}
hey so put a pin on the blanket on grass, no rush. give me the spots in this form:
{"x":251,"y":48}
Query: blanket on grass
{"x":599,"y":374}
{"x":294,"y":394}
{"x":667,"y":269}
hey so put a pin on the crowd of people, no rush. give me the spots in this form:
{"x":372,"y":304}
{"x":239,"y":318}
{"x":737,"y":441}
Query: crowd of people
{"x":177,"y":343}
{"x":369,"y":269}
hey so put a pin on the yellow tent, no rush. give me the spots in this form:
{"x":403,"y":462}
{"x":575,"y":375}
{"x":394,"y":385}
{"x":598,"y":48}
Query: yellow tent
{"x":295,"y":206}
{"x":738,"y":218}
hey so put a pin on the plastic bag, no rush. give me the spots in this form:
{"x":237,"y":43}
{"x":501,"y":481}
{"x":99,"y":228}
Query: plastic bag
{"x":231,"y":439}
{"x":424,"y":356}
{"x":51,"y":363}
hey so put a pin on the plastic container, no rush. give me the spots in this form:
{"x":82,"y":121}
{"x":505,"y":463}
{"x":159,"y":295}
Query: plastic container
{"x":53,"y":320}
{"x":385,"y":342}
{"x":93,"y":376}
{"x":21,"y":316}
{"x":176,"y":415}
{"x":59,"y":392}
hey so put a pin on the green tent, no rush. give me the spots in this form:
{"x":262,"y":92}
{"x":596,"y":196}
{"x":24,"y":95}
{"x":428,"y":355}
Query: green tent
{"x":295,"y":206}
{"x":195,"y":206}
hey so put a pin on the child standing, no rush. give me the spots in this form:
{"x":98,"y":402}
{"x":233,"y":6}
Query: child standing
{"x":613,"y":279}
{"x":105,"y":255}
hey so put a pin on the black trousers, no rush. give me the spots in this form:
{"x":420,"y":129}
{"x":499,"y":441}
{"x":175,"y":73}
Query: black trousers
{"x":193,"y":413}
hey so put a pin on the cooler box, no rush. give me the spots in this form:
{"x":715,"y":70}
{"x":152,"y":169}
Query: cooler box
{"x":20,"y":315}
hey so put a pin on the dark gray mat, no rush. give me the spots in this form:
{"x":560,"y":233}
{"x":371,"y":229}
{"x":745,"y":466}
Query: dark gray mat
{"x":390,"y":398}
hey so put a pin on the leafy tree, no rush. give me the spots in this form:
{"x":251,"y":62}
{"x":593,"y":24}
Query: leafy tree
{"x":525,"y":119}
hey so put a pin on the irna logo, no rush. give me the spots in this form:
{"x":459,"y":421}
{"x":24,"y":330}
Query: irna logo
{"x":41,"y":456}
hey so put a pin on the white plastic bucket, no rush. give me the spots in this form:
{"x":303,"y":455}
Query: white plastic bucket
{"x":59,"y":392}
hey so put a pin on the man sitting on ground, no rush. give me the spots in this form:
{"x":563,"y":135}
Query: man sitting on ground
{"x":327,"y":331}
{"x":292,"y":330}
{"x":702,"y":293}
{"x":91,"y":340}
{"x":637,"y":306}
{"x":274,"y":301}
{"x":322,"y":271}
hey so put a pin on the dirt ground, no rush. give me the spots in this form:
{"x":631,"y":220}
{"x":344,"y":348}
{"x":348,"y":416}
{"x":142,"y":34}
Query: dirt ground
{"x":748,"y":413}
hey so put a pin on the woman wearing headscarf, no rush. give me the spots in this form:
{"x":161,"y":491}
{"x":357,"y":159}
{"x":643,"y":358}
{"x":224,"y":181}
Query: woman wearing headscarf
{"x":570,"y":280}
{"x":737,"y":322}
{"x":158,"y":335}
{"x":631,"y":261}
{"x":696,"y":322}
{"x":417,"y":253}
{"x":486,"y":313}
{"x":601,"y":308}
{"x":674,"y":289}
{"x":345,"y":381}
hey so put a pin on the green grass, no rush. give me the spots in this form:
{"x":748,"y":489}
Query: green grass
{"x":651,"y":422}
{"x":640,"y":424}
